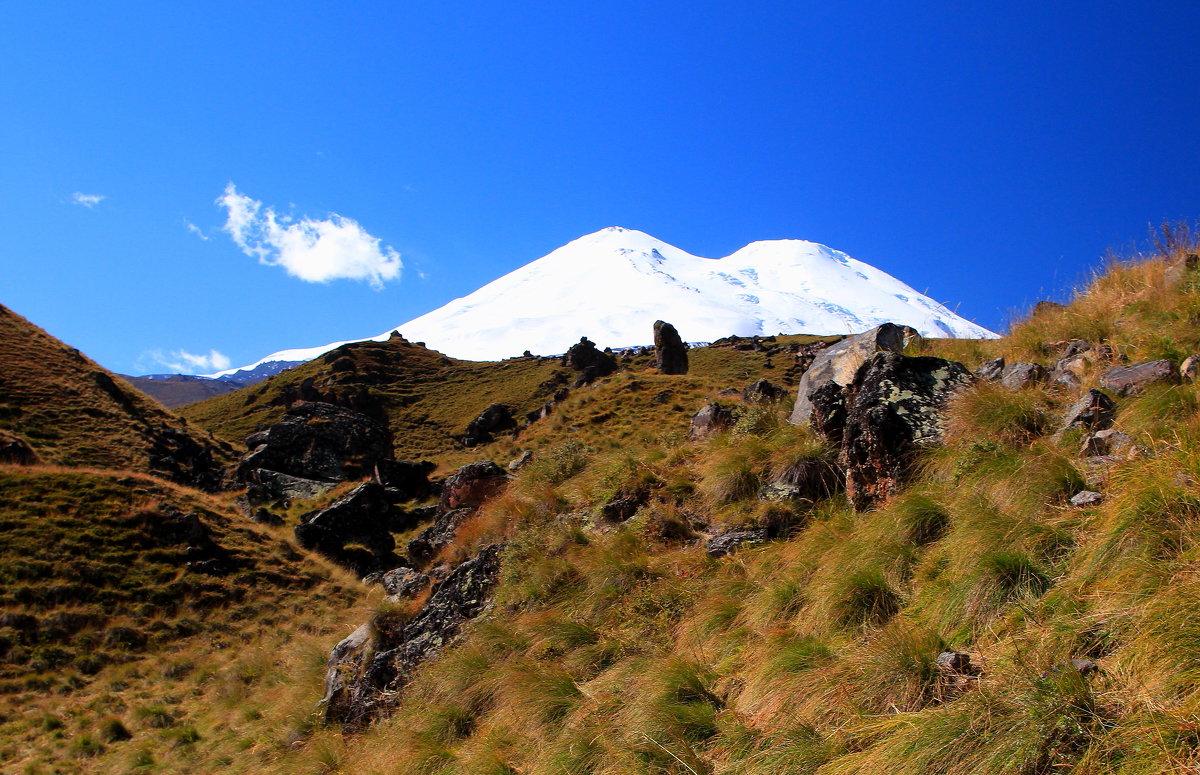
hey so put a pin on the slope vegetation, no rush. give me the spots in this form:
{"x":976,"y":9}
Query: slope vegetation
{"x":73,"y":412}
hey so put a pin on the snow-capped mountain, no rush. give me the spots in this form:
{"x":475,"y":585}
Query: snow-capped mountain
{"x":612,"y":285}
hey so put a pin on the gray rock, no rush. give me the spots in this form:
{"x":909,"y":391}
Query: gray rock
{"x":471,"y":485}
{"x":1094,"y":411}
{"x":520,"y":461}
{"x":1190,"y":368}
{"x":1022,"y":375}
{"x":1129,"y":380}
{"x":341,"y":669}
{"x":710,"y":419}
{"x":321,"y":442}
{"x":1087,"y":498}
{"x":670,"y":352}
{"x":838,"y":363}
{"x":497,"y":418}
{"x":991,"y":371}
{"x":727,"y":543}
{"x":403,"y":583}
{"x":286,"y":487}
{"x":1106,"y":442}
{"x":437,"y":536}
{"x":763,"y":391}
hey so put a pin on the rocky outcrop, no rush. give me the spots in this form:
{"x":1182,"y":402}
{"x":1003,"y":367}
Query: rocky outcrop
{"x":763,"y":391}
{"x":670,"y":353}
{"x":1094,"y":411}
{"x":366,"y":671}
{"x":365,"y":516}
{"x":403,"y":583}
{"x":14,"y":450}
{"x":591,"y":363}
{"x":471,"y":485}
{"x":889,"y":411}
{"x":319,"y":441}
{"x":838,"y":363}
{"x":497,"y":418}
{"x":408,"y":480}
{"x":437,"y":536}
{"x":1130,"y":380}
{"x":710,"y":419}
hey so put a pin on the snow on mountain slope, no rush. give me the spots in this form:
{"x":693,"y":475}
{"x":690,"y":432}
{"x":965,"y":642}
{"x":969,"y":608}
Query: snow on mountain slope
{"x":612,"y":285}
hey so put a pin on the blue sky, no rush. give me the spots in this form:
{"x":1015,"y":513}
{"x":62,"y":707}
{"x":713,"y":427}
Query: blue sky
{"x":988,"y":154}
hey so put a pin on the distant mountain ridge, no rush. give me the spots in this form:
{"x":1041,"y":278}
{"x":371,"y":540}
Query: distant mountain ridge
{"x":613,"y":284}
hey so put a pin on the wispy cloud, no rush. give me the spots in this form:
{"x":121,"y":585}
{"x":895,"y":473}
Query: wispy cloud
{"x":87,"y":200}
{"x":184,"y":362}
{"x":312,"y":250}
{"x":194,"y":229}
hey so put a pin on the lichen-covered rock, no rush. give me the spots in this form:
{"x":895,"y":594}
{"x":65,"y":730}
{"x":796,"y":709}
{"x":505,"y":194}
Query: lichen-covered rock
{"x":408,"y":479}
{"x":1094,"y":411}
{"x":838,"y":363}
{"x":727,"y":543}
{"x":403,"y":583}
{"x":1086,"y":498}
{"x":266,"y":486}
{"x":366,"y":687}
{"x":891,"y":410}
{"x":711,"y":418}
{"x":1190,"y":368}
{"x":670,"y":353}
{"x":1106,"y":442}
{"x":320,"y":441}
{"x":1129,"y":380}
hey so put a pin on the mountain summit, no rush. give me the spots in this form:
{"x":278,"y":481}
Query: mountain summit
{"x":612,"y":285}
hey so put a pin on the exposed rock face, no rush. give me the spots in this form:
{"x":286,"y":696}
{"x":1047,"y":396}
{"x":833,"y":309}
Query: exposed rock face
{"x":402,"y":583}
{"x":471,"y":485}
{"x":712,"y":418}
{"x":1094,"y":411}
{"x":320,"y":441}
{"x":727,"y":543}
{"x":409,"y":479}
{"x":763,"y":391}
{"x":1128,"y":380}
{"x":1022,"y":375}
{"x":889,"y":411}
{"x":363,"y":516}
{"x":434,"y":538}
{"x":16,"y":451}
{"x":367,"y":685}
{"x":266,"y":486}
{"x":838,"y":363}
{"x":592,"y":364}
{"x":497,"y":418}
{"x":670,"y":353}
{"x":991,"y":371}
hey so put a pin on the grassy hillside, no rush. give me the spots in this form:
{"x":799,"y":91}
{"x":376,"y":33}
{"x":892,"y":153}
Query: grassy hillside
{"x":75,"y":413}
{"x":114,"y":651}
{"x":626,"y":649}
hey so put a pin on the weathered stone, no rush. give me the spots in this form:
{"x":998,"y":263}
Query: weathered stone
{"x":497,"y":418}
{"x":1106,"y":442}
{"x":812,"y":479}
{"x":341,"y":669}
{"x":409,"y":480}
{"x":362,"y":516}
{"x":371,"y":686}
{"x":670,"y":353}
{"x":893,"y":408}
{"x":274,"y":486}
{"x":404,"y":582}
{"x":1044,"y":307}
{"x":991,"y":371}
{"x":264,"y":517}
{"x":624,"y":506}
{"x":727,"y":543}
{"x":1094,"y":411}
{"x":1177,"y":271}
{"x":839,"y":363}
{"x":710,"y":419}
{"x":1190,"y":368}
{"x":520,"y":461}
{"x":471,"y":485}
{"x":14,"y":450}
{"x":1128,"y":380}
{"x":437,"y":536}
{"x":763,"y":391}
{"x":1022,"y":375}
{"x":1087,"y":498}
{"x":954,"y":662}
{"x":592,"y":364}
{"x":321,"y":441}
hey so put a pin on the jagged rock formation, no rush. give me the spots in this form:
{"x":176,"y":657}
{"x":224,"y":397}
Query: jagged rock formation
{"x":670,"y":353}
{"x":365,"y":516}
{"x":367,"y":670}
{"x":838,"y":363}
{"x":1094,"y":411}
{"x":497,"y":418}
{"x":471,"y":485}
{"x":592,"y":364}
{"x":319,"y":441}
{"x":878,"y":422}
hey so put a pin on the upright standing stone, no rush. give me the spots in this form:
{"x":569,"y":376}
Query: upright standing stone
{"x":670,"y":353}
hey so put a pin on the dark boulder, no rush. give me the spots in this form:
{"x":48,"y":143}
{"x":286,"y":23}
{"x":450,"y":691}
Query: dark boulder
{"x":409,"y":480}
{"x":670,"y":353}
{"x":371,"y":671}
{"x":403,"y":583}
{"x":727,"y":543}
{"x":624,"y":505}
{"x":1094,"y":411}
{"x":838,"y":363}
{"x":1129,"y":380}
{"x":497,"y":418}
{"x":1022,"y":375}
{"x":437,"y":536}
{"x":890,"y":411}
{"x":16,"y":451}
{"x":710,"y":419}
{"x":363,"y":516}
{"x":591,"y":363}
{"x":321,"y":441}
{"x":267,"y":486}
{"x":471,"y":485}
{"x":1106,"y":442}
{"x":763,"y":391}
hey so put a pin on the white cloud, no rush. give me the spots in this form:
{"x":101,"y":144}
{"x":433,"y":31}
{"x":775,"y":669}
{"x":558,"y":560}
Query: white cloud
{"x":87,"y":200}
{"x":315,"y":251}
{"x":194,"y":229}
{"x":184,"y":362}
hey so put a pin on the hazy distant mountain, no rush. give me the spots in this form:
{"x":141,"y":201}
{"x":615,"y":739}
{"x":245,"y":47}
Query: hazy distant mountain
{"x":612,"y":285}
